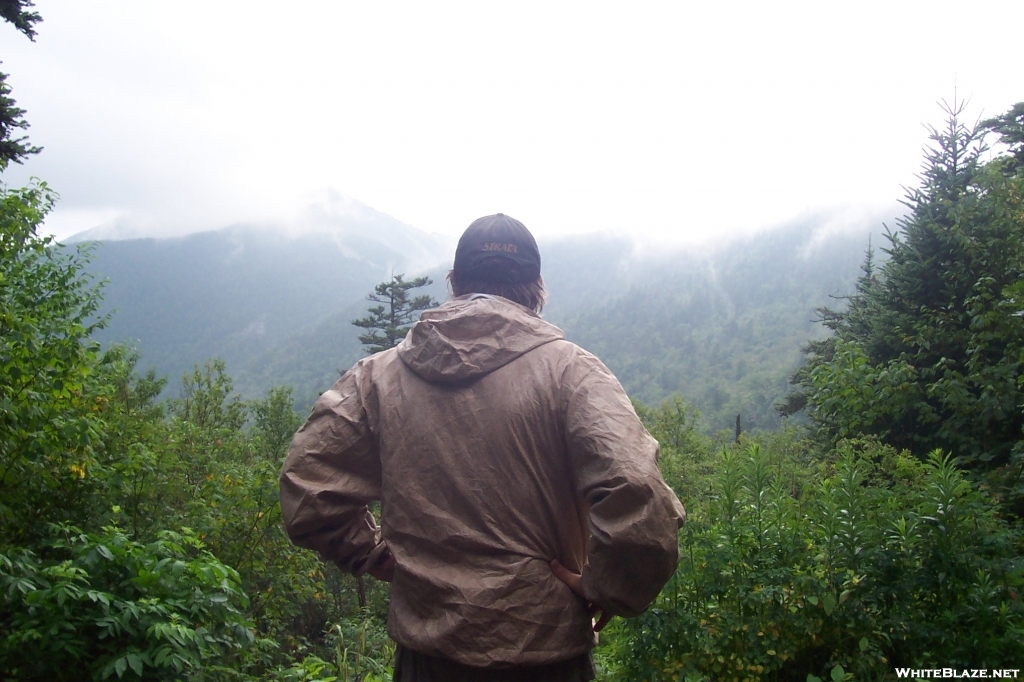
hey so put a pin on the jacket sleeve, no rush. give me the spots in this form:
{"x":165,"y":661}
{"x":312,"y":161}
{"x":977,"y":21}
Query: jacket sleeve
{"x":332,"y":471}
{"x":634,"y":516}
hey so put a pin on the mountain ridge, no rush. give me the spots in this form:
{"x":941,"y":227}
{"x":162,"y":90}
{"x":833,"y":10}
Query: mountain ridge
{"x":236,"y":291}
{"x":721,"y":324}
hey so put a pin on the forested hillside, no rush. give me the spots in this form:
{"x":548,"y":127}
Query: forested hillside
{"x":236,"y":292}
{"x":723,"y":326}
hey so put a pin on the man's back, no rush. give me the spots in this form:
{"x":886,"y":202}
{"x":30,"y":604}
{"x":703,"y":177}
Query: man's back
{"x":477,"y":491}
{"x":493,"y":436}
{"x":519,"y":491}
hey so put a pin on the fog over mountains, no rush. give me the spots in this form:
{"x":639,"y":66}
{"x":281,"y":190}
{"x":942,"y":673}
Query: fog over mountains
{"x":722,"y":325}
{"x":236,"y":292}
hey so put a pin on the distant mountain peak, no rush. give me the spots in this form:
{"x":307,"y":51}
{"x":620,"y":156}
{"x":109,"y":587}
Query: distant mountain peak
{"x":330,"y":203}
{"x":118,"y":229}
{"x":348,"y":223}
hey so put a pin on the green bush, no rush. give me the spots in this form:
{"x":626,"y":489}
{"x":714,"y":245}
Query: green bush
{"x":210,"y":461}
{"x":48,"y":422}
{"x":884,"y":562}
{"x":102,"y":605}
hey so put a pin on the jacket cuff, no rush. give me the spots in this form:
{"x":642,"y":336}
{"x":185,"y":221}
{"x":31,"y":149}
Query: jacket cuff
{"x":371,"y":560}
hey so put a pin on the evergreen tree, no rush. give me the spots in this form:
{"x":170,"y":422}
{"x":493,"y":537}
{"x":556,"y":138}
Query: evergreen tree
{"x":15,"y":148}
{"x":930,"y":351}
{"x":855,"y":316}
{"x":1010,"y":128}
{"x":19,"y":13}
{"x":389,"y":322}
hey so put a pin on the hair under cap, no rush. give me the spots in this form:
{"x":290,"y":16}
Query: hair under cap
{"x":497,"y":248}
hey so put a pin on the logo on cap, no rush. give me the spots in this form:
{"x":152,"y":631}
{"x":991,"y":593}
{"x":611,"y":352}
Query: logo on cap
{"x":494,"y":246}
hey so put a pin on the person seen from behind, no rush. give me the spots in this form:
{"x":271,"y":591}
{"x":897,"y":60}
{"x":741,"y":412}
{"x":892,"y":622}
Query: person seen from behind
{"x":521,"y":501}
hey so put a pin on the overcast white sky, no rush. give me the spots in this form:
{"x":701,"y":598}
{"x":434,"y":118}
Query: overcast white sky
{"x":668,"y":119}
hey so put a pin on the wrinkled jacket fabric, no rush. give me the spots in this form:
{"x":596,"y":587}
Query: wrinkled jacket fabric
{"x":494,"y":446}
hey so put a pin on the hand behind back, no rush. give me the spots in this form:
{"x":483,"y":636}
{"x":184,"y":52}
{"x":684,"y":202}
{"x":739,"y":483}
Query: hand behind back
{"x":575,"y":583}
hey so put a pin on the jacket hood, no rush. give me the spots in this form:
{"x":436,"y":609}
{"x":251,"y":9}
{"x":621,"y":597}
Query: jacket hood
{"x":472,"y":335}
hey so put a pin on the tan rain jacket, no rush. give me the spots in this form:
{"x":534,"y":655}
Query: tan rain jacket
{"x":494,"y":446}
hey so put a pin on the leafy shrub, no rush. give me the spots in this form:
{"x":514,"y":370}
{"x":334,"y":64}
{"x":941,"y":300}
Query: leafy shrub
{"x":48,"y":425}
{"x":885,"y":562}
{"x":103,"y":605}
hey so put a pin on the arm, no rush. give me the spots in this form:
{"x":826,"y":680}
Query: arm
{"x":332,"y":471}
{"x":634,"y":516}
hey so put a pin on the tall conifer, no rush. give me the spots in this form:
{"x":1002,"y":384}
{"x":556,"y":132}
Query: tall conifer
{"x":389,"y":321}
{"x":929,"y":353}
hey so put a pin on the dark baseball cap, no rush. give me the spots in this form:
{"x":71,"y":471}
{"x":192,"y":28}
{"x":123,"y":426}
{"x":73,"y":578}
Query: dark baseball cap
{"x":497,"y":248}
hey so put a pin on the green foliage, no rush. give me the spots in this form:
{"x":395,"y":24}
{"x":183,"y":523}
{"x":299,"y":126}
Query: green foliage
{"x":101,"y":605}
{"x":85,"y":444}
{"x":275,"y":422}
{"x":789,"y":570}
{"x":362,"y":653}
{"x":18,"y":13}
{"x":206,"y":401}
{"x":212,"y":464}
{"x":49,"y":423}
{"x":929,"y":352}
{"x":683,"y":454}
{"x":14,"y":149}
{"x":1010,"y":128}
{"x":389,"y":322}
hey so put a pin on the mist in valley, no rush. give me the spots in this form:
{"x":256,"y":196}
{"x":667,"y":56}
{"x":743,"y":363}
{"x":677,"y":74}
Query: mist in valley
{"x":719,"y":323}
